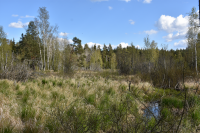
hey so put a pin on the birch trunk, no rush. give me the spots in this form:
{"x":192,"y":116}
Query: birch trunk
{"x":6,"y":60}
{"x":44,"y":56}
{"x":2,"y":60}
{"x":196,"y":59}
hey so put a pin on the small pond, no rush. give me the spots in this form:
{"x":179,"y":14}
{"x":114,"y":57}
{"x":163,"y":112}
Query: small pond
{"x":154,"y":107}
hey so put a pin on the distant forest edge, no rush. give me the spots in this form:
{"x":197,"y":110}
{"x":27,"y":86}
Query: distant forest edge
{"x":41,"y":49}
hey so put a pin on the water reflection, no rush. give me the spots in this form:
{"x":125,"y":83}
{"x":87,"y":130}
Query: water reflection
{"x":154,"y":108}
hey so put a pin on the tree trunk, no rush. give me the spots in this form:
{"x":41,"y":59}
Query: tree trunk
{"x":41,"y":66}
{"x":48,"y":57}
{"x":196,"y":59}
{"x":6,"y":60}
{"x":44,"y":56}
{"x":2,"y":63}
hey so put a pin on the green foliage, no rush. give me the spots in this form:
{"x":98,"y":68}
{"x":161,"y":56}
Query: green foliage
{"x":17,"y":87}
{"x":96,"y":60}
{"x":4,"y":85}
{"x":165,"y":112}
{"x":60,"y":84}
{"x":44,"y":81}
{"x":27,"y":113}
{"x":54,"y":83}
{"x":91,"y":99}
{"x":122,"y":88}
{"x":26,"y":94}
{"x":172,"y":102}
{"x":196,"y":117}
{"x":151,"y":123}
{"x":7,"y":129}
{"x":110,"y":91}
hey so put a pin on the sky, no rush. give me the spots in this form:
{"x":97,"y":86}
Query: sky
{"x":105,"y":21}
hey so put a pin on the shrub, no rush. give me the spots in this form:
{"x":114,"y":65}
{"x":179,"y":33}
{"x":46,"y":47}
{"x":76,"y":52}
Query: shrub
{"x":17,"y":87}
{"x":44,"y":81}
{"x":60,"y":84}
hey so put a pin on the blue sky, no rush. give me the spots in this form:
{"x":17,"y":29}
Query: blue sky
{"x":105,"y":21}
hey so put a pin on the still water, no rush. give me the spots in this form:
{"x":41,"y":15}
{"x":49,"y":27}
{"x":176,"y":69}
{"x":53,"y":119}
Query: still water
{"x":154,"y":108}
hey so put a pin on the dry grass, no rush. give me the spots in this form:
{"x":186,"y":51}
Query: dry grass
{"x":43,"y":94}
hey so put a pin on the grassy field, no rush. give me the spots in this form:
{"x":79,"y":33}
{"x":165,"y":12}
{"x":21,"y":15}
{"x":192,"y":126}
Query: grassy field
{"x":87,"y":102}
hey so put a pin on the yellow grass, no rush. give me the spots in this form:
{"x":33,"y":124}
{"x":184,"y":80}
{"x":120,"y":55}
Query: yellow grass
{"x":41,"y":96}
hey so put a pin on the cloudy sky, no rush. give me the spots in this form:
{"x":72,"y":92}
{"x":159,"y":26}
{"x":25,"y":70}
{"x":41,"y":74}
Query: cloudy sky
{"x":105,"y":21}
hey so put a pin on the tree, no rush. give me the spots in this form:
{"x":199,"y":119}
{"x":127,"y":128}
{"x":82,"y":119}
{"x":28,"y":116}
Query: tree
{"x":78,"y":48}
{"x":79,"y":52}
{"x":113,"y":61}
{"x":2,"y":34}
{"x":5,"y":49}
{"x":44,"y":27}
{"x":192,"y":33}
{"x":104,"y":56}
{"x":96,"y":60}
{"x":86,"y":46}
{"x":110,"y":53}
{"x":28,"y":45}
{"x":87,"y":53}
{"x":147,"y":47}
{"x":69,"y":58}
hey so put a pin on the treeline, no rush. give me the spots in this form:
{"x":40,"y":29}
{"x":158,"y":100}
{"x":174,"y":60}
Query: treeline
{"x":41,"y":48}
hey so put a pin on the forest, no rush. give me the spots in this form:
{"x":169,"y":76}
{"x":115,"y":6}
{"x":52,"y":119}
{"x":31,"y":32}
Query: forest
{"x":50,"y":85}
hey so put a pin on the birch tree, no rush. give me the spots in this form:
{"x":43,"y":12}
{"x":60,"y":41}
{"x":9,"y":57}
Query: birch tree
{"x":192,"y":33}
{"x":44,"y":27}
{"x":2,"y":46}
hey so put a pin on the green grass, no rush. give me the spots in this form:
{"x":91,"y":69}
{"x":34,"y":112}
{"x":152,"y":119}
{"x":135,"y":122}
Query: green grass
{"x":27,"y":113}
{"x":54,"y":94}
{"x":44,"y":81}
{"x":91,"y":99}
{"x":172,"y":102}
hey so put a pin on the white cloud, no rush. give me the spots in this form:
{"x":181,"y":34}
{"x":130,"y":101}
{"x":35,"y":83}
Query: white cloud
{"x":147,"y":1}
{"x":126,"y":0}
{"x":19,"y":24}
{"x":27,"y":16}
{"x":124,"y":45}
{"x":63,"y":34}
{"x":171,"y":24}
{"x":131,"y":21}
{"x":98,"y":0}
{"x":181,"y":44}
{"x":15,"y":15}
{"x":170,"y":37}
{"x":176,"y":27}
{"x":137,"y":46}
{"x":151,"y":32}
{"x":70,"y":41}
{"x":90,"y":44}
{"x":110,"y":8}
{"x":63,"y":40}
